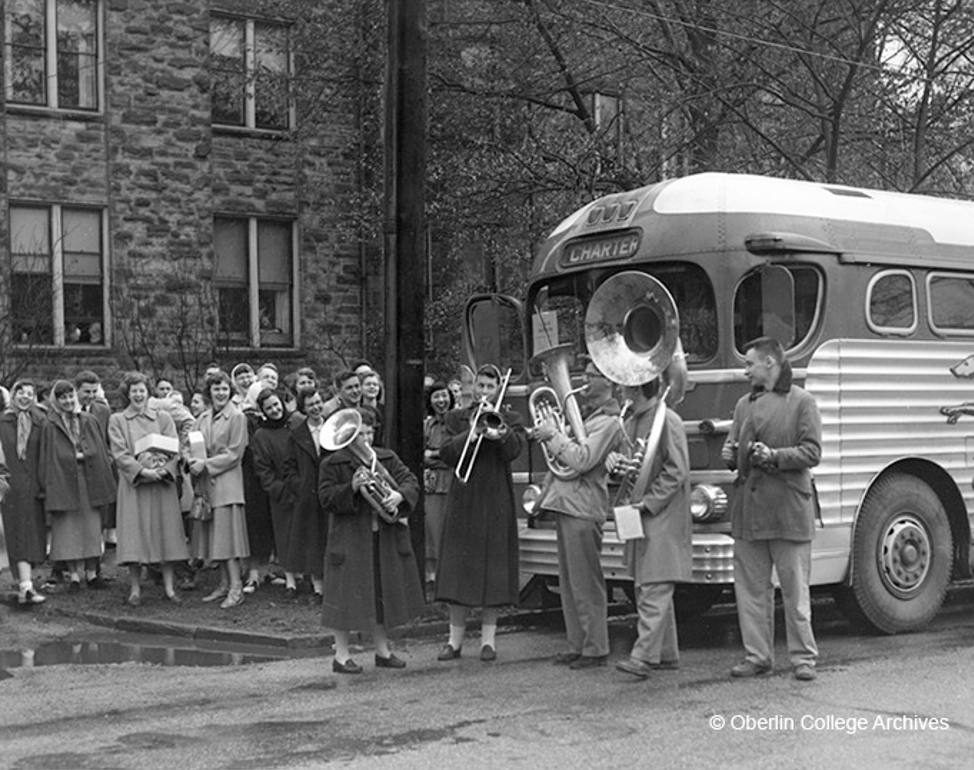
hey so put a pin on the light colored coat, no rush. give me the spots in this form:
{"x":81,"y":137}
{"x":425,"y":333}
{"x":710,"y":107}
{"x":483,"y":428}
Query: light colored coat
{"x":225,"y":434}
{"x":665,"y":554}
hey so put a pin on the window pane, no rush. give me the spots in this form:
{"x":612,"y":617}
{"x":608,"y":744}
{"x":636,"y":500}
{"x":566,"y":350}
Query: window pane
{"x":32,"y":309}
{"x":228,"y":70}
{"x":30,"y":231}
{"x":234,"y":312}
{"x":749,"y":305}
{"x":275,"y":317}
{"x":230,"y":250}
{"x":952,"y":303}
{"x":83,"y":314}
{"x":77,"y":53}
{"x":25,"y":51}
{"x":274,"y":253}
{"x":82,"y":244}
{"x":892,"y":303}
{"x":271,"y":78}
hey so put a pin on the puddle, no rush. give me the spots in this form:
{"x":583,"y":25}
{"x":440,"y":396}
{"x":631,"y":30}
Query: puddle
{"x":160,"y":651}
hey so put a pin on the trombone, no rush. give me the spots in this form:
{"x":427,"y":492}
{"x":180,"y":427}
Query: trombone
{"x":484,"y":423}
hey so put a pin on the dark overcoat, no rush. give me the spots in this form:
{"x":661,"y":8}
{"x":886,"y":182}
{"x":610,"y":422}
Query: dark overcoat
{"x":59,"y":469}
{"x":23,"y":512}
{"x":478,"y":559}
{"x":305,"y":548}
{"x":349,"y":585}
{"x":269,"y":447}
{"x":665,"y":553}
{"x":260,"y":529}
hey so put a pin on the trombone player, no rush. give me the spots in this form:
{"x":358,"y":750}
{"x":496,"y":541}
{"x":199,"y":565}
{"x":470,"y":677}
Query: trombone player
{"x":664,"y":555}
{"x":581,"y":505}
{"x":478,"y":559}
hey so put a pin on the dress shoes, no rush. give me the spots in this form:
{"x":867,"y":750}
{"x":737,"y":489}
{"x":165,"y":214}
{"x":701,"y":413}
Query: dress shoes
{"x":750,"y":668}
{"x":565,"y":658}
{"x":348,"y":667}
{"x":29,"y":598}
{"x":391,"y":662}
{"x":488,"y":653}
{"x":218,"y":593}
{"x":290,"y":594}
{"x":250,"y":586}
{"x":97,"y":583}
{"x":174,"y":598}
{"x":234,"y":599}
{"x":588,"y":661}
{"x":134,"y":600}
{"x":634,"y":666}
{"x":448,"y":653}
{"x":804,"y":672}
{"x":74,"y":587}
{"x":666,"y":665}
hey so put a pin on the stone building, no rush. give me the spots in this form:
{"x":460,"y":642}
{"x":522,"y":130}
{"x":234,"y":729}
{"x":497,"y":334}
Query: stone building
{"x":171,"y":195}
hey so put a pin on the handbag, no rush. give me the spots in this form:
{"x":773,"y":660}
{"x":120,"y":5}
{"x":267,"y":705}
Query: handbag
{"x":201,"y":510}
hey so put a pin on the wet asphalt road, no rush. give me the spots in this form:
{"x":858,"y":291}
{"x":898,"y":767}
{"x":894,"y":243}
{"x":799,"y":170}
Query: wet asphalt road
{"x":890,"y":702}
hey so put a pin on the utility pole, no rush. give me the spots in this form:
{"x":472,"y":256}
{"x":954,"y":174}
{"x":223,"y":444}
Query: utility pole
{"x":405,"y":237}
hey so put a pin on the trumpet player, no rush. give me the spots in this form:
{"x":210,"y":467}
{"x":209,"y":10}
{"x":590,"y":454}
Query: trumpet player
{"x":581,"y":506}
{"x":478,"y":558}
{"x":370,"y":570}
{"x":664,"y":555}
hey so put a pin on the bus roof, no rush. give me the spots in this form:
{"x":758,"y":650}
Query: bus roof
{"x":717,"y":212}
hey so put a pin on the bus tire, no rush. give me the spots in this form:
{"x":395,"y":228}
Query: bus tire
{"x":901,"y":557}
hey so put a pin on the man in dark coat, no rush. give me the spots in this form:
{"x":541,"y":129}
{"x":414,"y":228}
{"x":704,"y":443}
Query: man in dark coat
{"x":774,"y":441}
{"x":478,"y":559}
{"x":370,"y":578}
{"x":663,"y":556}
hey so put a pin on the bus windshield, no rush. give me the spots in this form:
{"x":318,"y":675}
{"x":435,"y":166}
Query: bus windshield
{"x":557,"y":308}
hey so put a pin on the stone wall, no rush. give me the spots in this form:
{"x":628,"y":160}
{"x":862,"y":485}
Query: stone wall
{"x":159,"y":167}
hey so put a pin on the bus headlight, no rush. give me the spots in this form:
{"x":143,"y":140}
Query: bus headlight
{"x":529,"y":499}
{"x":707,"y":503}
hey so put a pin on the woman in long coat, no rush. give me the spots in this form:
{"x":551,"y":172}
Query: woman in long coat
{"x":260,"y":529}
{"x":219,"y":480}
{"x":269,"y":447}
{"x":76,"y":482}
{"x":304,"y":552}
{"x":371,"y":580}
{"x":148,"y":517}
{"x":478,"y":559}
{"x":23,"y":512}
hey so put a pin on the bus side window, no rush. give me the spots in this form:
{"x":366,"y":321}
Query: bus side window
{"x":759,"y":304}
{"x":891,"y":303}
{"x":951,"y":303}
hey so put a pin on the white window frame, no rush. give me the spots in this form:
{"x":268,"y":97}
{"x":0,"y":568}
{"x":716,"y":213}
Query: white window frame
{"x":945,"y":331}
{"x":250,"y":76}
{"x":50,"y":64}
{"x":56,"y":235}
{"x":898,"y":331}
{"x":253,"y":279}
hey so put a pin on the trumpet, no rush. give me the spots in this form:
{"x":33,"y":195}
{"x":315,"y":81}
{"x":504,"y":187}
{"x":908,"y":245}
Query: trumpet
{"x":486,"y":423}
{"x":558,"y":402}
{"x":343,"y":430}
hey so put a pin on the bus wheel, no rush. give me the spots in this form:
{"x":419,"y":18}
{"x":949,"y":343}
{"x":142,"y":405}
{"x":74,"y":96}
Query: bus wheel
{"x":901,"y":556}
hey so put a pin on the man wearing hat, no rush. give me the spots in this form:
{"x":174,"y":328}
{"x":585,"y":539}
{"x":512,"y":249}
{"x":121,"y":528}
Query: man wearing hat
{"x":581,"y":506}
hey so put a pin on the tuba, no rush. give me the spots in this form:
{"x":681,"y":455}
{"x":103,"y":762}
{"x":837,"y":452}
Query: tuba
{"x":557,"y":401}
{"x":343,"y":430}
{"x":632,"y":332}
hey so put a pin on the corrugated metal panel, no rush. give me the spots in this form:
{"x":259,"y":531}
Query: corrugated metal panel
{"x":880,"y":402}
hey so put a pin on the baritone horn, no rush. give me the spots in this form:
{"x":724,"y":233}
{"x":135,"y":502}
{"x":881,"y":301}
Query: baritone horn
{"x":632,"y":332}
{"x":557,"y":401}
{"x":343,"y":430}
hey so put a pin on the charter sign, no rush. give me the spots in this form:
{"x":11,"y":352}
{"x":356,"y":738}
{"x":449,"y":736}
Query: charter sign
{"x":620,"y":246}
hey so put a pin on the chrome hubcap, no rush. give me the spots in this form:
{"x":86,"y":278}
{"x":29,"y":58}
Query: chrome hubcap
{"x":904,"y":554}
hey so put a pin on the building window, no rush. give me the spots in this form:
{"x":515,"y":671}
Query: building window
{"x":53,"y":53}
{"x":251,"y":67}
{"x":253,"y":275}
{"x":58,"y":275}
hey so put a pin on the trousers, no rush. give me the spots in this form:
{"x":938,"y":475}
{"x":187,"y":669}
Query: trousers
{"x":754,"y":591}
{"x":657,"y":637}
{"x":584,"y":600}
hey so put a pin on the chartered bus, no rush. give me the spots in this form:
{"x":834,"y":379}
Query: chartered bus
{"x":872,"y":295}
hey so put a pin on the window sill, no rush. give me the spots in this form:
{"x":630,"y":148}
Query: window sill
{"x":51,"y":113}
{"x":253,"y":133}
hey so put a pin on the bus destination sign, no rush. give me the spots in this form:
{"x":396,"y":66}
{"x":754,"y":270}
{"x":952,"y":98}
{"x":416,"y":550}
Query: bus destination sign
{"x":621,"y":246}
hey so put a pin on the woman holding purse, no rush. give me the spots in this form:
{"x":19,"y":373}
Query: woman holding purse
{"x":149,"y":520}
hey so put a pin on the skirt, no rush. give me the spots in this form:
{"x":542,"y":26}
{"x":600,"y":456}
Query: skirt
{"x":76,"y":534}
{"x":222,"y":537}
